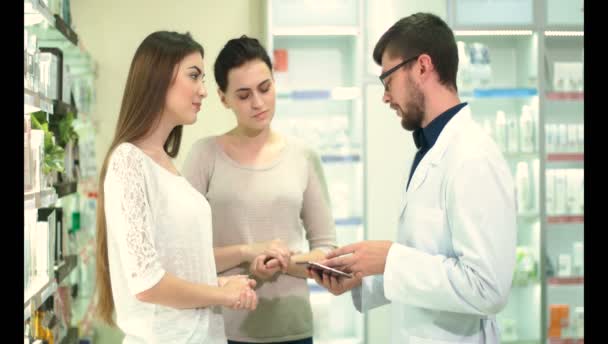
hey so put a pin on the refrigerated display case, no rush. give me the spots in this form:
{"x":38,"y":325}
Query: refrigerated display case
{"x":522,"y":73}
{"x":316,"y":52}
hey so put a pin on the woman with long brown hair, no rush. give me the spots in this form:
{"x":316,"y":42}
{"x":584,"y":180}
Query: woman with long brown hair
{"x":155,"y":262}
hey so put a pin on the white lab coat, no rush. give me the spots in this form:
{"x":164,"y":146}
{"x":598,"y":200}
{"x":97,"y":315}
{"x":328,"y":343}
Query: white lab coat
{"x":450,"y":270}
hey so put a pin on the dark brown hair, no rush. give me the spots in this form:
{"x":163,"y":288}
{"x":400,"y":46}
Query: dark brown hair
{"x":422,"y":33}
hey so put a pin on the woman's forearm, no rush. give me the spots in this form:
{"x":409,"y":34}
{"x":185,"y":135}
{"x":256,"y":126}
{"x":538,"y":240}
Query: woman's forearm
{"x":228,"y":257}
{"x":172,"y":291}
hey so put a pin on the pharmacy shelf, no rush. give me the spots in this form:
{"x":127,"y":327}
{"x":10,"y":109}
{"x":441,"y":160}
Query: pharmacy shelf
{"x":62,"y":108}
{"x":317,"y":31}
{"x":87,"y":251}
{"x":557,"y":281}
{"x":38,"y":296}
{"x":492,"y":93}
{"x":566,"y":157}
{"x":60,"y":30}
{"x":566,"y":341}
{"x":349,"y":221}
{"x":33,"y":102}
{"x":71,"y":337}
{"x":559,"y":219}
{"x":565,"y":96}
{"x":340,"y":158}
{"x":528,"y":216}
{"x":336,"y":93}
{"x":42,"y":199}
{"x":64,"y":189}
{"x":521,"y":155}
{"x":65,"y":268}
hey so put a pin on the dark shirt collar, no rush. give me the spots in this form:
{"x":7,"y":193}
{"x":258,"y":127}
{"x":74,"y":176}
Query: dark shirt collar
{"x":427,"y":136}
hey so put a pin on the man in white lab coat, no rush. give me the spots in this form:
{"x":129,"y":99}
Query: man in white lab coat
{"x":450,"y":271}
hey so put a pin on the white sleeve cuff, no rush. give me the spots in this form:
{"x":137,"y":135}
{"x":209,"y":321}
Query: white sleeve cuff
{"x":143,"y":283}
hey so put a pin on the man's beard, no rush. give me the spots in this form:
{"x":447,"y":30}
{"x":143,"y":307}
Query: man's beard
{"x":411,"y":118}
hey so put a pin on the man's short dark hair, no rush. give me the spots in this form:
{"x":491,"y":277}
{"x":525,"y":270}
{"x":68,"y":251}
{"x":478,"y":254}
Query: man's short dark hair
{"x":422,"y":33}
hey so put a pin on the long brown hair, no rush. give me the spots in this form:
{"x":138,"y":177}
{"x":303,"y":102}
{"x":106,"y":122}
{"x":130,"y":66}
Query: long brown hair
{"x":150,"y":76}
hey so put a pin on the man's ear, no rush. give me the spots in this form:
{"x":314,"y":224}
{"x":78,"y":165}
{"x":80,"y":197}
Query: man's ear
{"x":222,"y":96}
{"x":425,"y":67}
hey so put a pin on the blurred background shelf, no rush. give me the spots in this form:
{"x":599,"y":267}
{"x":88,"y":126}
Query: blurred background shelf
{"x":558,"y":219}
{"x":566,"y":157}
{"x":557,"y":281}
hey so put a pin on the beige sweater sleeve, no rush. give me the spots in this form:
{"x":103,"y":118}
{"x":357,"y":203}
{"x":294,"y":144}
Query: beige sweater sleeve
{"x":316,"y":208}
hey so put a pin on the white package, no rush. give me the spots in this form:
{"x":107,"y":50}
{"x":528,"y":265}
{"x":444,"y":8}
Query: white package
{"x":550,"y":196}
{"x":572,"y":138}
{"x":562,"y":138}
{"x":560,"y":192}
{"x":564,"y":265}
{"x":526,"y":130}
{"x":522,"y":178}
{"x":501,"y":130}
{"x":551,"y":137}
{"x":512,"y":135}
{"x":572,"y":186}
{"x":578,"y":258}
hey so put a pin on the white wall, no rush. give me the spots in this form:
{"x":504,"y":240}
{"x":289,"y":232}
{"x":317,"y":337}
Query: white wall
{"x":111,"y":30}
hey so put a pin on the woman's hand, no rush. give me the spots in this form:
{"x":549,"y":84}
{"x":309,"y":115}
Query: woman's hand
{"x":238,"y":292}
{"x":273,"y":250}
{"x":263,"y":268}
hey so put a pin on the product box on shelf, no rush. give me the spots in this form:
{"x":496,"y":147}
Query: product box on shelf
{"x":27,"y":155}
{"x":49,"y":216}
{"x":30,"y":217}
{"x":55,"y":84}
{"x":37,"y":146}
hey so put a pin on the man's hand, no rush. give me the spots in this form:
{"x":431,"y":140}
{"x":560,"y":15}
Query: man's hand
{"x":364,"y":258}
{"x":335,"y":285}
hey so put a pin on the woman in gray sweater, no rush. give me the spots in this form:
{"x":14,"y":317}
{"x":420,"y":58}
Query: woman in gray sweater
{"x":269,"y":201}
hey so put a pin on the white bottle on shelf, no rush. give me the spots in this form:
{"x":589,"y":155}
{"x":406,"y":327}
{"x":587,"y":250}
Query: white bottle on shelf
{"x":572,"y":186}
{"x":522,"y":178}
{"x":579,"y":322}
{"x":580,"y":202}
{"x":526,"y":130}
{"x":578,"y":258}
{"x":580,"y":136}
{"x":560,"y":192}
{"x":550,"y":192}
{"x":572,"y":138}
{"x":551,"y":138}
{"x":512,"y":135}
{"x":535,"y":190}
{"x":501,"y":130}
{"x":562,"y":138}
{"x":564,"y":265}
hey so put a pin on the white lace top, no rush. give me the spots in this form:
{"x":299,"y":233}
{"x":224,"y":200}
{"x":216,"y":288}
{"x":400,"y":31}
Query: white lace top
{"x":156,"y":223}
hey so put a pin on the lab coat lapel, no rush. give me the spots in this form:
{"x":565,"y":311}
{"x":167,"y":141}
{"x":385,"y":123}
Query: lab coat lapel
{"x":434,"y":155}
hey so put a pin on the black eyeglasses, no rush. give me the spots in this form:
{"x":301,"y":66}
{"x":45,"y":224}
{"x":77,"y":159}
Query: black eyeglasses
{"x":390,"y":71}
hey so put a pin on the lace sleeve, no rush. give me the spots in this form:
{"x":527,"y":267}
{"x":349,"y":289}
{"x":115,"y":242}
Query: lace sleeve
{"x":130,"y":220}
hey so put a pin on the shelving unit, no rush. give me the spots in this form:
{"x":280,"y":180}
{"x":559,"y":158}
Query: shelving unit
{"x":524,"y":46}
{"x":52,"y":31}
